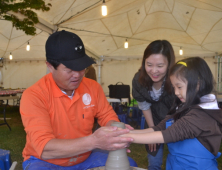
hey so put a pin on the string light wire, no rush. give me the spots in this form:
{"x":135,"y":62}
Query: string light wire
{"x":94,"y":32}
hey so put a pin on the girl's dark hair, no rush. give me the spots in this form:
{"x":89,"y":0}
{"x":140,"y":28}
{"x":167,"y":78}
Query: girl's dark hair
{"x":199,"y":83}
{"x":54,"y":63}
{"x":157,"y":47}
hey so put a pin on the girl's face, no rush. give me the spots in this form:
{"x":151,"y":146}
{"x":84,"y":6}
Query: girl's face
{"x":156,"y":67}
{"x":180,"y":87}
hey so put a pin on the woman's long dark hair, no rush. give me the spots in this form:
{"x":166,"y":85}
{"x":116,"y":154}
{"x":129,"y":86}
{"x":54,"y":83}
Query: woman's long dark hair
{"x":199,"y":83}
{"x":157,"y":47}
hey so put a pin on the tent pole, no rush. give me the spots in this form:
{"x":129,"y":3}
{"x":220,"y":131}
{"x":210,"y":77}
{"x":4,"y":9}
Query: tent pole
{"x":99,"y":69}
{"x":219,"y":80}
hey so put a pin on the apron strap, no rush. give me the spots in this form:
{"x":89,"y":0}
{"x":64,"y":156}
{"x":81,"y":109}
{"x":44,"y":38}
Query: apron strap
{"x":218,"y":155}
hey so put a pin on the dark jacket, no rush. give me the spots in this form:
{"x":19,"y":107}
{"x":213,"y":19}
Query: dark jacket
{"x":159,"y":108}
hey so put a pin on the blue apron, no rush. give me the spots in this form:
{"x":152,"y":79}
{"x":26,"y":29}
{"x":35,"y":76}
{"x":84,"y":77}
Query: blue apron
{"x":189,"y":154}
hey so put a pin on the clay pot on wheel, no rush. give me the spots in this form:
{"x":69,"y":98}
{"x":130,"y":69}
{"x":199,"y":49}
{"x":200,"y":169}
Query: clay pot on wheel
{"x":118,"y":160}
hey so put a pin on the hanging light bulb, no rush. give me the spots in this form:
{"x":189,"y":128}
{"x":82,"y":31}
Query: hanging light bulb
{"x":126,"y":45}
{"x":104,"y":9}
{"x":181,"y":51}
{"x":10,"y":56}
{"x":28,"y":47}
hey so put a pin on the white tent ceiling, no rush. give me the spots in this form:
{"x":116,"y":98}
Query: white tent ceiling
{"x":194,"y":25}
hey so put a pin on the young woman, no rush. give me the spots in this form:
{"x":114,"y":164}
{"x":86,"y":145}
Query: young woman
{"x":152,"y":90}
{"x":193,"y":129}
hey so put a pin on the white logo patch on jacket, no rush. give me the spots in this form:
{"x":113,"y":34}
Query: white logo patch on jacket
{"x":86,"y":98}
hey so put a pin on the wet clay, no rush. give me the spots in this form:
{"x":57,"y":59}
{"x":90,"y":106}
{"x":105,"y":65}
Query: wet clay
{"x":118,"y":160}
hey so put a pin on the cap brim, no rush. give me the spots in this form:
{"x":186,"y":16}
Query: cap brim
{"x":79,"y":64}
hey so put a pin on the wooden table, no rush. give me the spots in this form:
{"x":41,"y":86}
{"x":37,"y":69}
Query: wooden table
{"x":111,"y":100}
{"x":7,"y":98}
{"x":114,"y":101}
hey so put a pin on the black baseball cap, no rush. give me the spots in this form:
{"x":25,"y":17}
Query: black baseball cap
{"x":68,"y":49}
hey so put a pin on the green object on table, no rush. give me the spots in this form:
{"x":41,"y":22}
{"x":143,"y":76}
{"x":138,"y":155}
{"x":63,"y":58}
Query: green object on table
{"x":133,"y":103}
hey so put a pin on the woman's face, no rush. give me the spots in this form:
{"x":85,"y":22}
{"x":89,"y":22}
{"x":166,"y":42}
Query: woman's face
{"x":156,"y":67}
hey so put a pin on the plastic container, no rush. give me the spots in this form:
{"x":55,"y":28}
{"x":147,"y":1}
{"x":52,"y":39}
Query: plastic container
{"x":5,"y":159}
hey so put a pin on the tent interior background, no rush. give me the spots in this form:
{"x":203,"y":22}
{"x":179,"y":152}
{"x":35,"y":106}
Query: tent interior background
{"x":194,"y":25}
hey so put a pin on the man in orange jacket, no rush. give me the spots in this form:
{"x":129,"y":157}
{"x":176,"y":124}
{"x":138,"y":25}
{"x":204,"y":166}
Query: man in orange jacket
{"x":58,"y":112}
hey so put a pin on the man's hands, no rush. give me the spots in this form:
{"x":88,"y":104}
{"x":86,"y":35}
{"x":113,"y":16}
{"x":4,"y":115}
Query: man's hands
{"x":105,"y":138}
{"x":108,"y":138}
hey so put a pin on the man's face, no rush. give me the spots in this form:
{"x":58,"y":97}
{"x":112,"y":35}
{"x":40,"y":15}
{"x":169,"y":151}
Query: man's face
{"x":65,"y":78}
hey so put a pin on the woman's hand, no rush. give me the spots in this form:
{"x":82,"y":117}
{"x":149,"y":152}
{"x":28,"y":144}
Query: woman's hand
{"x":152,"y":147}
